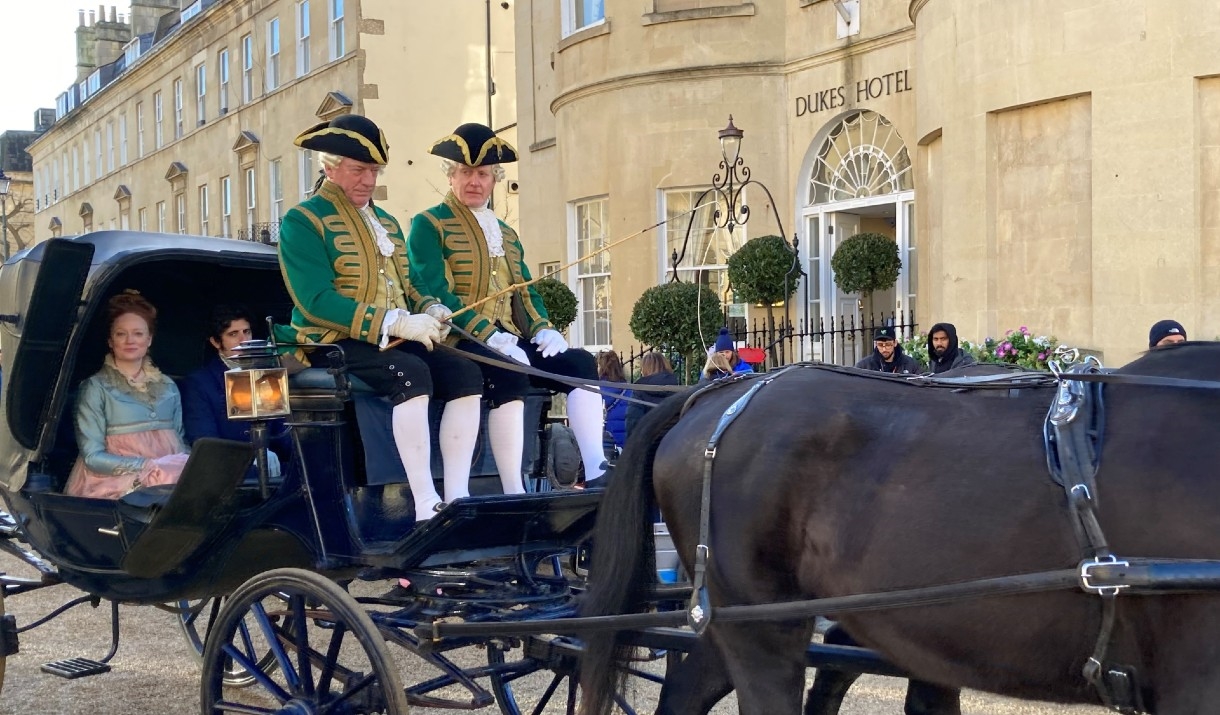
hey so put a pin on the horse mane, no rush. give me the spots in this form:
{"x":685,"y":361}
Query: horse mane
{"x":1194,"y":359}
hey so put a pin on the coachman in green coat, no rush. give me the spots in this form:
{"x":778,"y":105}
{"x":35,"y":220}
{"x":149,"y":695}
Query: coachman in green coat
{"x":344,"y":262}
{"x":462,"y":254}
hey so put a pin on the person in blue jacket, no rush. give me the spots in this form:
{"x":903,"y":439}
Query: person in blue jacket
{"x":203,"y":391}
{"x":610,"y":369}
{"x":725,"y":347}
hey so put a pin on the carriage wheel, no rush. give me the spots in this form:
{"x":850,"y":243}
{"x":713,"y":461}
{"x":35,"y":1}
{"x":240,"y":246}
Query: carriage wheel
{"x":545,"y":677}
{"x":329,"y":656}
{"x":196,"y":619}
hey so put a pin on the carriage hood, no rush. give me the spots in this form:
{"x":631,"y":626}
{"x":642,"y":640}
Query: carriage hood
{"x":49,"y":295}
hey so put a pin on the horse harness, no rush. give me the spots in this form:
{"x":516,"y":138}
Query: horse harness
{"x":1073,"y":434}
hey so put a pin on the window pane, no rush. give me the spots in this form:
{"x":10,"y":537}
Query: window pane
{"x":593,"y":272}
{"x":589,"y":12}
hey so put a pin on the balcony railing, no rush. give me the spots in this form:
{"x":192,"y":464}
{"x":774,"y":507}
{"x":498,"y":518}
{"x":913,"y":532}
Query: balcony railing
{"x":268,"y":233}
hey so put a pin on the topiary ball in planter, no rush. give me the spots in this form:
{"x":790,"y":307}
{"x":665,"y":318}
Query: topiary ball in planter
{"x":670,"y":316}
{"x":764,"y":270}
{"x":559,"y":300}
{"x":865,"y":263}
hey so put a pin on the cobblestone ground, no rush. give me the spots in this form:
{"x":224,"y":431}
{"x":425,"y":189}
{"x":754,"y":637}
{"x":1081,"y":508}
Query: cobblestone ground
{"x":155,"y":673}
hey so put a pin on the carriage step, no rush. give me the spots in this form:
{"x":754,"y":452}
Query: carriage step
{"x":73,"y":668}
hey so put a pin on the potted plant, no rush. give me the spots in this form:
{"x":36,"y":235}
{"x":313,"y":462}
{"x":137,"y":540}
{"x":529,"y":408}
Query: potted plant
{"x":559,"y":300}
{"x":866,"y":263}
{"x":765,"y":270}
{"x":677,"y":317}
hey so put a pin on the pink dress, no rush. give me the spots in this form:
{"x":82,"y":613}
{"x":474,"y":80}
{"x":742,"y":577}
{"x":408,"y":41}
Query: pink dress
{"x":127,"y":431}
{"x":164,"y":464}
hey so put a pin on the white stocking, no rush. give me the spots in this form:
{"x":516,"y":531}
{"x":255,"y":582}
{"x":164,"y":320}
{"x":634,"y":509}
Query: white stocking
{"x":587,"y":419}
{"x":458,"y":433}
{"x":409,"y":421}
{"x":506,"y":428}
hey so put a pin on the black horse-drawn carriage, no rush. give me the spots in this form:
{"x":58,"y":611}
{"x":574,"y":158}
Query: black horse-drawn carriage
{"x":291,"y":540}
{"x":267,"y":575}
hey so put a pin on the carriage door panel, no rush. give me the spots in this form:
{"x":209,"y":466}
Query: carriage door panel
{"x":44,"y":328}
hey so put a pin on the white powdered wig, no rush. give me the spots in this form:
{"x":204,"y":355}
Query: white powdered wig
{"x":449,"y":166}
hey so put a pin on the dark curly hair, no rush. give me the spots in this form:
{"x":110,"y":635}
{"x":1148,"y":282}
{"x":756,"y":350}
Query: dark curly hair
{"x":223,"y":315}
{"x":130,"y":301}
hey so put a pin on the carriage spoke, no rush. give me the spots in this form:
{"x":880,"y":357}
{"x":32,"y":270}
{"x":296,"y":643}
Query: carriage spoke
{"x":259,"y":675}
{"x":622,"y":703}
{"x":301,"y":631}
{"x":332,"y":658}
{"x":547,"y":694}
{"x":572,"y":685}
{"x":272,"y":635}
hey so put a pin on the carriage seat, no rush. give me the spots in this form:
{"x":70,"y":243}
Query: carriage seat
{"x":314,"y":390}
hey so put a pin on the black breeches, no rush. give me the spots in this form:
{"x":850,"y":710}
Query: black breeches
{"x":503,"y":386}
{"x":411,"y":370}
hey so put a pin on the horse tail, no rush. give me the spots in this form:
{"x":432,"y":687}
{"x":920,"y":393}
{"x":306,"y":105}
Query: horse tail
{"x":624,"y":558}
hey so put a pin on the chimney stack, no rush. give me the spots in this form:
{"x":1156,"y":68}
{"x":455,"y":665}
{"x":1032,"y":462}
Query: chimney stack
{"x":91,"y":18}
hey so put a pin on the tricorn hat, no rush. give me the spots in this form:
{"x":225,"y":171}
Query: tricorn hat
{"x":349,"y":135}
{"x":474,"y":145}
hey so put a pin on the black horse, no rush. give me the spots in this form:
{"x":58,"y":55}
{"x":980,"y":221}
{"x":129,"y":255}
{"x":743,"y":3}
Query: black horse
{"x":832,"y":484}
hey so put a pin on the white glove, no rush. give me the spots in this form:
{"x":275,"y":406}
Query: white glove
{"x":550,"y":342}
{"x":441,"y":312}
{"x":419,"y":327}
{"x":505,"y":343}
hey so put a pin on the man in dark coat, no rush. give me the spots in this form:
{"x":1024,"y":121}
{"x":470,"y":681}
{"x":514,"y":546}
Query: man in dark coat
{"x":203,"y":391}
{"x":888,"y":356}
{"x":943,"y":351}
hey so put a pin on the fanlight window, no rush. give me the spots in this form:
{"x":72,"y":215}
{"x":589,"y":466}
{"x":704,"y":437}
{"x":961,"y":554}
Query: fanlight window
{"x":863,"y":156}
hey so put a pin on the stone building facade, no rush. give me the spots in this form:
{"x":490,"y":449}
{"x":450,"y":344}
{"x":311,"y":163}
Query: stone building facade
{"x":183,"y":115}
{"x":1038,"y":163}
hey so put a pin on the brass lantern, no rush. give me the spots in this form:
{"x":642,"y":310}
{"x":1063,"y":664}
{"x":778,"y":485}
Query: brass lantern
{"x":258,"y":388}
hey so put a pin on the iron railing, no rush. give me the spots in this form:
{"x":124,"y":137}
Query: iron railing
{"x":268,"y":233}
{"x":842,"y":341}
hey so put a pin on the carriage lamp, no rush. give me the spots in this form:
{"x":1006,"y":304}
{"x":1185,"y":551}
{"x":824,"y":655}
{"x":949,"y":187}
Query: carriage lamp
{"x":257,"y":390}
{"x":258,"y":387}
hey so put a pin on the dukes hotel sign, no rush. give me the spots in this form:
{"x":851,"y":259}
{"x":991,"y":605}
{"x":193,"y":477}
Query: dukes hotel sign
{"x":861,"y":91}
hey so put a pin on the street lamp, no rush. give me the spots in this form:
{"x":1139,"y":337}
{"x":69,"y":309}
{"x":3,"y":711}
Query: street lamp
{"x":728,"y":185}
{"x":730,"y":210}
{"x":4,"y":184}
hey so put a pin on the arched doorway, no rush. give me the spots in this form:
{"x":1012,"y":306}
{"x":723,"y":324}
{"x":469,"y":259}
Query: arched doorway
{"x":856,"y":177}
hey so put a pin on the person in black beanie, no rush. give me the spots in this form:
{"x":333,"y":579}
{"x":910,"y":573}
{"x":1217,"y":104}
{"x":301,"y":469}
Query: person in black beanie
{"x":943,"y":351}
{"x":888,"y":356}
{"x":1166,"y":332}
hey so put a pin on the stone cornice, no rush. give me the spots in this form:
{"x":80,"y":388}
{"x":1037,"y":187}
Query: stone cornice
{"x":743,"y":69}
{"x":915,"y":7}
{"x":839,"y":54}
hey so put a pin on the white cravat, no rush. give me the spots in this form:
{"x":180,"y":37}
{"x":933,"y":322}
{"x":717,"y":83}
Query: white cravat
{"x":491,"y":231}
{"x":384,"y":245}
